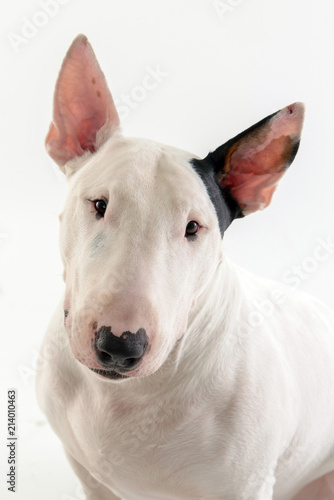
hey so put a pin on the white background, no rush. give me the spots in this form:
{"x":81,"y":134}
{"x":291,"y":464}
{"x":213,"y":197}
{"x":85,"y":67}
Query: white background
{"x":227,"y":64}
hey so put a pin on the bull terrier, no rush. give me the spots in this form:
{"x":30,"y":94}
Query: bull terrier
{"x":168,"y":372}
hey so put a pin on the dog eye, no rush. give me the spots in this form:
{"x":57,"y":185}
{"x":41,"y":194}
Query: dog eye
{"x":192,"y":228}
{"x":100,"y":207}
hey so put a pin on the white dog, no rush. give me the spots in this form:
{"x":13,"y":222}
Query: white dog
{"x":177,"y":375}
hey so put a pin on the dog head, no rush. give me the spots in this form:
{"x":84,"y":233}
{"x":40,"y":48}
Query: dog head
{"x":142,"y":223}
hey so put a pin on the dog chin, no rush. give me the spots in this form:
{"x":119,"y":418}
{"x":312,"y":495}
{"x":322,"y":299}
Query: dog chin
{"x":116,"y":376}
{"x":121,"y":377}
{"x":110,"y":375}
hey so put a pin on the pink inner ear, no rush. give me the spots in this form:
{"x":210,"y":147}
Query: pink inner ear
{"x":256,"y":162}
{"x":255,"y":191}
{"x":83,"y":105}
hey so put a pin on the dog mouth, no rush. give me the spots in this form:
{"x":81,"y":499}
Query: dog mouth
{"x":112,"y":375}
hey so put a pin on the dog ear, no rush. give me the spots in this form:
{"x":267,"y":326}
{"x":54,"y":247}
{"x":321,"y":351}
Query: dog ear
{"x":249,"y":166}
{"x":84,"y":114}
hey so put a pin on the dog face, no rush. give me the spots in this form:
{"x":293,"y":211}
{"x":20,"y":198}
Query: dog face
{"x":133,"y":257}
{"x":142,"y":223}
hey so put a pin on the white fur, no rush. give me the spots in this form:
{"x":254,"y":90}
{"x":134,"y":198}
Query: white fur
{"x":242,"y":407}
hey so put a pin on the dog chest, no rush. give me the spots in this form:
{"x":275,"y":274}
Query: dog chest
{"x":166,"y":450}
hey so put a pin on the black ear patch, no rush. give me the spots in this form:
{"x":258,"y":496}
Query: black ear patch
{"x":208,"y":169}
{"x":226,"y":206}
{"x":242,"y":174}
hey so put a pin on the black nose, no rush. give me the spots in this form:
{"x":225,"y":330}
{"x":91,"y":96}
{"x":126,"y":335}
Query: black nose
{"x":122,"y":353}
